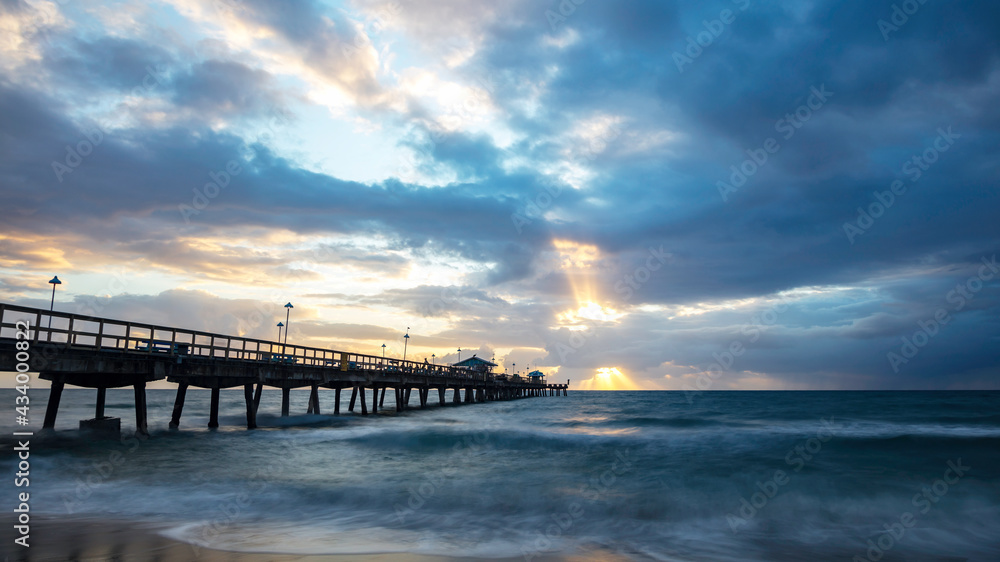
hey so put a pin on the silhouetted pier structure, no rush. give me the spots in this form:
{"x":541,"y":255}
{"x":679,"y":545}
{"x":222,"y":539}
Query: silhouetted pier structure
{"x":103,"y":353}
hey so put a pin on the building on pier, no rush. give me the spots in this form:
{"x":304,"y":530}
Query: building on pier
{"x":536,"y":376}
{"x":476,"y":364}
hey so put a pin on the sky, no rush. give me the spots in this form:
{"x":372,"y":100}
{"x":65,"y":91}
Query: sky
{"x":710,"y":195}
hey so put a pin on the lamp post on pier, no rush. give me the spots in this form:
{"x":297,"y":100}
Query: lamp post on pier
{"x":460,"y":355}
{"x":406,"y":341}
{"x":54,"y":281}
{"x":383,"y":354}
{"x":279,"y":330}
{"x":288,"y":312}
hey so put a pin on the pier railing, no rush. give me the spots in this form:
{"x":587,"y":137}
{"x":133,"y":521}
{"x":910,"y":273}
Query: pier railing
{"x":81,"y":332}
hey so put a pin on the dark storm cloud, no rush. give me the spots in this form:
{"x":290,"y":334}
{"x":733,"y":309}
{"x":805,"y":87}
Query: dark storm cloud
{"x":783,"y":228}
{"x":106,"y":62}
{"x":222,"y":87}
{"x":469,"y":157}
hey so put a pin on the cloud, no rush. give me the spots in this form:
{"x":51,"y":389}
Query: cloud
{"x":523,"y":140}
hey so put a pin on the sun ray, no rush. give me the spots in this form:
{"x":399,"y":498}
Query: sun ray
{"x":609,"y":378}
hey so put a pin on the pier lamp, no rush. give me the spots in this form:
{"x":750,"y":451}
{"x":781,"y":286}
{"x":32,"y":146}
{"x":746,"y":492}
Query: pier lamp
{"x":460,"y":355}
{"x":406,"y":341}
{"x":383,"y":353}
{"x":432,"y":359}
{"x":288,"y":312}
{"x":279,"y":330}
{"x":54,"y":281}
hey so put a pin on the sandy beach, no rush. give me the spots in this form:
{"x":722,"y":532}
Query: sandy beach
{"x":91,"y":540}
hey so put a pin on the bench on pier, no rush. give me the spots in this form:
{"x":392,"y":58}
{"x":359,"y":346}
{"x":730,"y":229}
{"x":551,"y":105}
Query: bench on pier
{"x":335,"y":363}
{"x":162,"y":346}
{"x":278,"y":358}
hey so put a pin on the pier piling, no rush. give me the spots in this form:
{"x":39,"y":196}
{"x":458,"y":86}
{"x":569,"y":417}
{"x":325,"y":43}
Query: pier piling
{"x":251,"y":414}
{"x":314,"y":399}
{"x":213,"y":412}
{"x":101,"y":397}
{"x":55,"y":393}
{"x":175,"y":418}
{"x":256,"y":399}
{"x":140,"y":408}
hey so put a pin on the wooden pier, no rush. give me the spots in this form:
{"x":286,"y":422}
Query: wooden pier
{"x":103,"y":353}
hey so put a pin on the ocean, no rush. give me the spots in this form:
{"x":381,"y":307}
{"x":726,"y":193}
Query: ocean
{"x":595,"y":475}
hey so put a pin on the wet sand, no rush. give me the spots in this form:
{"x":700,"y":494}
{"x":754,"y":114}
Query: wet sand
{"x":91,"y":540}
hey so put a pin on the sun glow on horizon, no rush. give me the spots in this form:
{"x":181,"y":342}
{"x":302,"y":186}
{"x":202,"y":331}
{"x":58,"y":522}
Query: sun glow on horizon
{"x":609,"y":378}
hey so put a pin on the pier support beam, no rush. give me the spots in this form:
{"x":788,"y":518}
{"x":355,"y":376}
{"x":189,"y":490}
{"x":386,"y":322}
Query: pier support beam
{"x":336,"y":402}
{"x":102,"y":394}
{"x":364,"y":406}
{"x":213,"y":411}
{"x":354,"y":397}
{"x":140,"y":408}
{"x":256,"y":400}
{"x":286,"y":400}
{"x":468,"y":395}
{"x":175,"y":418}
{"x":314,"y":399}
{"x":55,"y":393}
{"x":457,"y":397}
{"x":399,"y":399}
{"x":441,"y":396}
{"x":251,"y":412}
{"x":374,"y":399}
{"x":406,"y":397}
{"x":422,"y":392}
{"x":381,"y":401}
